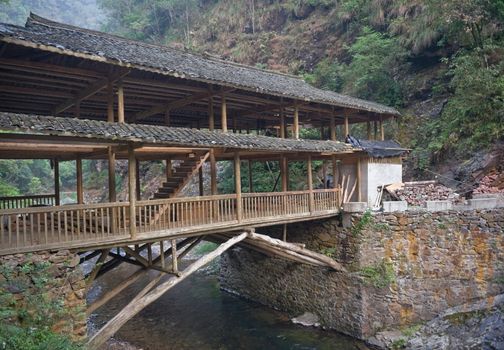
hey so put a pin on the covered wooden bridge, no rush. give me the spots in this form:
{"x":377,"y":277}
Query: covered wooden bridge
{"x":68,"y":93}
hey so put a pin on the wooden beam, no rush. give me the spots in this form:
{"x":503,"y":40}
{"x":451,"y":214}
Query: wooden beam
{"x":368,"y":125}
{"x":224,"y":113}
{"x":111,"y":175}
{"x":282,"y":123}
{"x":284,"y":169}
{"x":80,"y":189}
{"x":174,"y":256}
{"x":310,"y":184}
{"x":211,"y":114}
{"x":201,"y":182}
{"x":347,"y":128}
{"x":89,"y":91}
{"x":96,"y":268}
{"x":120,"y":102}
{"x":359,"y":181}
{"x":179,"y":103}
{"x":238,"y":191}
{"x":132,"y":190}
{"x":138,"y":176}
{"x":296,"y":123}
{"x":382,"y":129}
{"x":213,"y":173}
{"x":56,"y":182}
{"x":332,"y":128}
{"x":138,"y":304}
{"x":110,"y":101}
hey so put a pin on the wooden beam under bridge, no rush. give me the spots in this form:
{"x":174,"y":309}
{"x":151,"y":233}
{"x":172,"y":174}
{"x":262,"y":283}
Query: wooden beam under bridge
{"x":151,"y":292}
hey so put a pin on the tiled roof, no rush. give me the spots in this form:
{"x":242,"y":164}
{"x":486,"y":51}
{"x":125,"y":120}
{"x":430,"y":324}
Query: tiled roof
{"x":162,"y":135}
{"x":378,"y":148}
{"x":116,"y":50}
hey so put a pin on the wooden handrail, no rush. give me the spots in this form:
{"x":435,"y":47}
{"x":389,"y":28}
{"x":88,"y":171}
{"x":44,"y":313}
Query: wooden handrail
{"x":12,"y":202}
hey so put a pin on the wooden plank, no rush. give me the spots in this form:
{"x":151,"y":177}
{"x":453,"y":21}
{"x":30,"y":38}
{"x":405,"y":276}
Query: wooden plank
{"x":110,"y":101}
{"x":310,"y":184}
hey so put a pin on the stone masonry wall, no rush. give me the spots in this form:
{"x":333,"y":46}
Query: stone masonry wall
{"x":403,"y":268}
{"x":59,"y":277}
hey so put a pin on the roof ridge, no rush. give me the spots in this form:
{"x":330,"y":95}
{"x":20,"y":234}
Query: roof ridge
{"x":50,"y":23}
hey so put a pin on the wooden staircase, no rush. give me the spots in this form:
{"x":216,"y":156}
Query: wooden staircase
{"x":182,"y":174}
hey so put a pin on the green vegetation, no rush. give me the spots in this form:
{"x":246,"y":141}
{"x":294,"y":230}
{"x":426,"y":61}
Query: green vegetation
{"x":329,"y":251}
{"x":30,"y":308}
{"x":205,"y":248}
{"x":398,"y":344}
{"x":380,"y":275}
{"x":365,"y":220}
{"x":84,"y":13}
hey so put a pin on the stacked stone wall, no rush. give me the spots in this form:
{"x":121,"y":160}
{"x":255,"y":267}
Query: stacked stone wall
{"x":61,"y":283}
{"x":432,"y":262}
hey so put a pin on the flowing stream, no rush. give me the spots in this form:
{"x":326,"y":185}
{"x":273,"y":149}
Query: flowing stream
{"x":196,"y":314}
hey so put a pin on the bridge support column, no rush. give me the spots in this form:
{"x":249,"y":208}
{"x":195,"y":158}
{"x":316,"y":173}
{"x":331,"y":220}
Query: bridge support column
{"x":56,"y":182}
{"x":237,"y":175}
{"x":132,"y":190}
{"x":311,"y":202}
{"x":80,"y":190}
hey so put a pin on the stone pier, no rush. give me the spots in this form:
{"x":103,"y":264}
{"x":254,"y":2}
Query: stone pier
{"x":50,"y":282}
{"x":403,"y":269}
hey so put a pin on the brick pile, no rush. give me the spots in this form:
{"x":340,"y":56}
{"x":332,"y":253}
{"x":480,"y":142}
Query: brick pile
{"x":492,"y":183}
{"x":418,"y":193}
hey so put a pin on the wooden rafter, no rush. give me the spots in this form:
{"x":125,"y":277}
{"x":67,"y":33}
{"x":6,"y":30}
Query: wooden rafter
{"x":90,"y":91}
{"x":179,"y":103}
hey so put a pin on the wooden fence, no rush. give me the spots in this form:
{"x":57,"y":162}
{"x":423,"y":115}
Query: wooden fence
{"x":27,"y":201}
{"x":60,"y":225}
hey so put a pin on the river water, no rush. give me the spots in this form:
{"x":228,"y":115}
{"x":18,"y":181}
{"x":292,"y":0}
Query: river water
{"x":196,"y":314}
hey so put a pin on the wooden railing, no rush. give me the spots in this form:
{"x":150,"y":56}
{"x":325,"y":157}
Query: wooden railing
{"x":327,"y":200}
{"x":166,"y":214}
{"x":58,"y":226}
{"x":27,"y":201}
{"x":27,"y":227}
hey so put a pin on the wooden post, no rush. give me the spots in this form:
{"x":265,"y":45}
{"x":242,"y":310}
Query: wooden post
{"x":211,"y":115}
{"x":282,"y":123}
{"x":375,"y":130}
{"x":359,"y":176}
{"x":174,"y":256}
{"x":80,"y":190}
{"x":334,"y":172}
{"x":110,"y":102}
{"x":382,"y":129}
{"x":347,"y":128}
{"x":169,"y":169}
{"x":368,"y":123}
{"x":111,"y":175}
{"x":250,"y":180}
{"x":224,"y":114}
{"x":332,"y":127}
{"x":284,"y":169}
{"x":162,"y":254}
{"x":310,"y":184}
{"x":167,"y":117}
{"x":56,"y":183}
{"x":200,"y":181}
{"x":120,"y":102}
{"x":132,"y":190}
{"x":296,"y":122}
{"x":137,"y":186}
{"x":322,"y":132}
{"x":213,"y":173}
{"x":77,"y":109}
{"x":237,"y":174}
{"x":324,"y":173}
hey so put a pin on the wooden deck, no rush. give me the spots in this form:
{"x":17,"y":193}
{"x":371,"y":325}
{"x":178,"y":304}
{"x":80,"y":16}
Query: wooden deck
{"x":92,"y":226}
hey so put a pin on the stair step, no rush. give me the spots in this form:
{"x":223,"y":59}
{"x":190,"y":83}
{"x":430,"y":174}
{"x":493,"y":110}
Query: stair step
{"x":166,"y":190}
{"x":161,"y":195}
{"x":172,"y":183}
{"x":185,"y":169}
